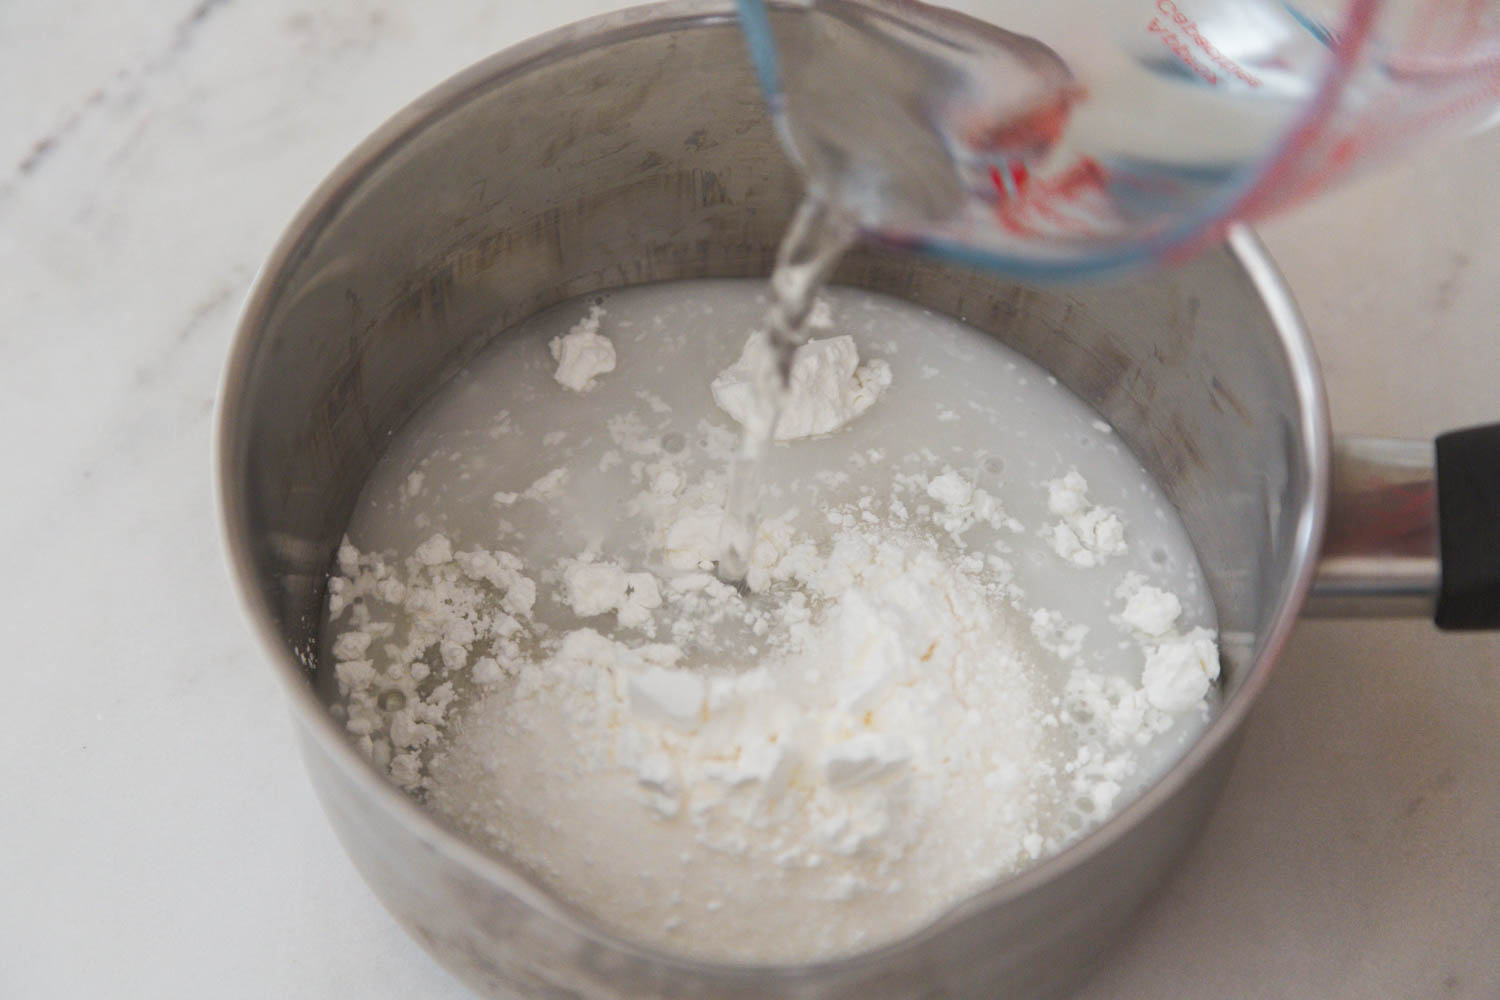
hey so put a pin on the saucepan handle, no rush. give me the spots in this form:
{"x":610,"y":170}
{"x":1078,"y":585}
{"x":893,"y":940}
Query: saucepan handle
{"x":1414,"y":530}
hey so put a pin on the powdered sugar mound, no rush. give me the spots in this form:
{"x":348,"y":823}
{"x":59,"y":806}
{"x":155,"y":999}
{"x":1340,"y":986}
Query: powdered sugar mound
{"x":596,"y":588}
{"x":435,"y":551}
{"x":592,"y":588}
{"x":1180,"y":669}
{"x":829,"y":387}
{"x":1151,"y":611}
{"x":892,"y":692}
{"x":965,"y":505}
{"x":1087,"y":534}
{"x":582,"y":353}
{"x":870,"y":719}
{"x":693,"y":538}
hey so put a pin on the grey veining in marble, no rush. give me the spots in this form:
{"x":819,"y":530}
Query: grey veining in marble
{"x":158,"y":838}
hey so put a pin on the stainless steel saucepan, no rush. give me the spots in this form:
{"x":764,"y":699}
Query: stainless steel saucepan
{"x":635,"y":148}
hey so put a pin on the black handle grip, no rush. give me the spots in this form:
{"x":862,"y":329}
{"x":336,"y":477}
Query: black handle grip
{"x":1468,"y":487}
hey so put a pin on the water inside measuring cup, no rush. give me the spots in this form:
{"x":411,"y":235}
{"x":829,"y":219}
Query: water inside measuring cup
{"x":1067,"y":138}
{"x":885,"y":107}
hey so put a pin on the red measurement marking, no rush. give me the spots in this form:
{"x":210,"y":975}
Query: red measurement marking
{"x":1031,"y":206}
{"x":1306,"y":140}
{"x":1180,"y":49}
{"x":1007,"y":191}
{"x":1085,"y":175}
{"x":1009,"y":182}
{"x":1030,"y":133}
{"x":1189,"y":28}
{"x":1020,"y":202}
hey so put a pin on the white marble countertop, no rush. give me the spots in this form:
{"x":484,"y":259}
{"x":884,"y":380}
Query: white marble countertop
{"x":158,"y":838}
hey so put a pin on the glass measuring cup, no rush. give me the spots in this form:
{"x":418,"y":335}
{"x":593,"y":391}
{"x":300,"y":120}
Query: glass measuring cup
{"x":1074,"y":137}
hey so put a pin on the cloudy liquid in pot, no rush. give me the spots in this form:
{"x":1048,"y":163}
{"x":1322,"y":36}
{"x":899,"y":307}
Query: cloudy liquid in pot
{"x":823,"y":790}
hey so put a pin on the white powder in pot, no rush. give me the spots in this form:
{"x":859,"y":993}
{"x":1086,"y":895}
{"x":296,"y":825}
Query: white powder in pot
{"x":892,"y":747}
{"x":895,"y":714}
{"x":889,"y":739}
